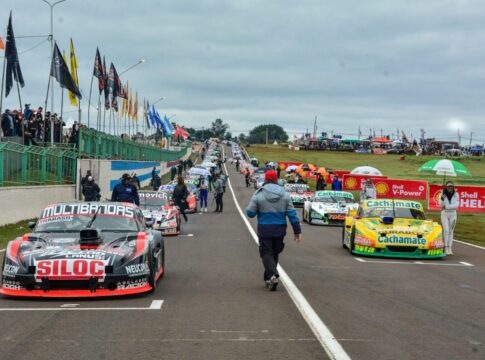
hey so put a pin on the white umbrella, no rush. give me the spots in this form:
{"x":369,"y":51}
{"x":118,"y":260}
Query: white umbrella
{"x":366,"y":170}
{"x":291,"y":168}
{"x":199,"y":171}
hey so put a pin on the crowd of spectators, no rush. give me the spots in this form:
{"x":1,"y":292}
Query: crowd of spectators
{"x":35,"y":127}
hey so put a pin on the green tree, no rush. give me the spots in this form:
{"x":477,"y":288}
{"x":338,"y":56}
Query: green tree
{"x":219,"y":128}
{"x":242,"y":138}
{"x":275,"y":132}
{"x":228,"y":136}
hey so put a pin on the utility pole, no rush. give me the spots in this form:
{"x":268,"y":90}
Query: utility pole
{"x":459,"y":138}
{"x":266,"y":135}
{"x":360,"y":133}
{"x":315,"y":127}
{"x":471,"y":136}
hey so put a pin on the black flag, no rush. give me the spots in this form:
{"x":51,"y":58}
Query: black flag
{"x":60,"y":71}
{"x":12,"y":57}
{"x":114,"y":86}
{"x":98,"y":71}
{"x":106,"y":89}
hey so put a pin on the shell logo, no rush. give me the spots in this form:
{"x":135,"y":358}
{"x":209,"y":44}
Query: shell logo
{"x":350,"y":183}
{"x":437,"y":197}
{"x":282,"y":166}
{"x":382,"y":188}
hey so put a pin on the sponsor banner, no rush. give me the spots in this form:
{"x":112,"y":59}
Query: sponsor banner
{"x":296,"y":188}
{"x":284,"y":164}
{"x":356,"y":182}
{"x":401,"y":189}
{"x":472,"y":198}
{"x":152,"y":195}
{"x":70,"y":269}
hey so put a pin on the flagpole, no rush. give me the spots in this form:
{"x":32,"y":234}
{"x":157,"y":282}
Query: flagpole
{"x":89,"y":102}
{"x":104,"y":119}
{"x":20,"y":101}
{"x":98,"y":114}
{"x":62,"y":102}
{"x":3,"y":83}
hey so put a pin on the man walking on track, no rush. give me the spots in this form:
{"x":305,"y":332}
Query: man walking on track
{"x":272,"y":204}
{"x":219,"y":193}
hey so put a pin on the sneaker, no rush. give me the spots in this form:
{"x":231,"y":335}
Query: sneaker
{"x":273,"y":283}
{"x":267,"y":283}
{"x":205,"y":209}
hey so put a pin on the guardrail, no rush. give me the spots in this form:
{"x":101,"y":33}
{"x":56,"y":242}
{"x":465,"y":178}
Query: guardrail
{"x":98,"y":145}
{"x":34,"y":165}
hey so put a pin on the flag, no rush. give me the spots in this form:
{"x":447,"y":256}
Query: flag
{"x":151,"y":115}
{"x":135,"y":108}
{"x":12,"y":58}
{"x":145,"y":113}
{"x":170,"y":129}
{"x":130,"y":106}
{"x":2,"y":45}
{"x":60,"y":71}
{"x":158,"y":119}
{"x":98,"y":71}
{"x":106,"y":88}
{"x":113,"y":85}
{"x":74,"y":67}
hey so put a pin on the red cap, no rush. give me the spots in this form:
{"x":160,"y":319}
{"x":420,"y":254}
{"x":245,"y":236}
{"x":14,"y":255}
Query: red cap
{"x":271,"y":176}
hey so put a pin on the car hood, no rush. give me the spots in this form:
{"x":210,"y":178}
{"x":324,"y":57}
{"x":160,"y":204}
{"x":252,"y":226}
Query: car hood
{"x":399,"y":226}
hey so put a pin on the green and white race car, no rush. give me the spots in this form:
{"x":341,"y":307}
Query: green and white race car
{"x":328,"y":207}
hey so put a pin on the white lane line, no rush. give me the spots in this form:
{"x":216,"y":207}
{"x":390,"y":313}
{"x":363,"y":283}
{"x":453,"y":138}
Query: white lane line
{"x":469,"y":244}
{"x":69,"y":305}
{"x":461,"y":263}
{"x":155,"y":305}
{"x":331,"y":346}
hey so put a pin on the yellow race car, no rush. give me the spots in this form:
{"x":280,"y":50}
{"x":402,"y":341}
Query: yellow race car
{"x":392,"y":228}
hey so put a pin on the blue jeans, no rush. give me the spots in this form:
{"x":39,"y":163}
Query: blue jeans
{"x":203,"y":194}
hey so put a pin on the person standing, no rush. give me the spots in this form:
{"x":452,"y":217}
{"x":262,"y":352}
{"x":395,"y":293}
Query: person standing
{"x":136,"y":181}
{"x":180,"y":167}
{"x":247,"y":177}
{"x":84,"y":180}
{"x":179,"y":196}
{"x":125,"y":191}
{"x":173,"y":172}
{"x":237,"y":165}
{"x":219,"y":193}
{"x":203,"y":194}
{"x":336,"y":184}
{"x":321,"y":183}
{"x":449,"y":202}
{"x":91,"y":190}
{"x":368,"y":191}
{"x":272,"y":204}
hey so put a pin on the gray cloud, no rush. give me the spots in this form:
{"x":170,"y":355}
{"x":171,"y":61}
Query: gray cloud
{"x":373,"y":64}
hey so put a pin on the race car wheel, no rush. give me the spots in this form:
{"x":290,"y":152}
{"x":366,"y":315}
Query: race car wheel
{"x":309,"y":219}
{"x":303,"y":215}
{"x":343,"y":237}
{"x":163,"y":261}
{"x":152,"y":265}
{"x":352,"y":241}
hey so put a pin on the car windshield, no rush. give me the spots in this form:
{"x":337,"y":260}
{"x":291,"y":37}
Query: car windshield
{"x":296,"y":187}
{"x":155,"y":201}
{"x":398,"y":212}
{"x":334,"y":199}
{"x":75,"y":217}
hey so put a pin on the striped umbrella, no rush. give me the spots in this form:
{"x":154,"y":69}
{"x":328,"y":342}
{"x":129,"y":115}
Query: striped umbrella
{"x":445,"y":167}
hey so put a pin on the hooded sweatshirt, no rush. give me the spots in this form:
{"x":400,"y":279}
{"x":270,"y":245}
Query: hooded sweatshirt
{"x":272,"y":204}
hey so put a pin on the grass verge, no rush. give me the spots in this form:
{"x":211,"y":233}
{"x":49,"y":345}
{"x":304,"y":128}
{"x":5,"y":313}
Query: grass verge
{"x":11,"y":231}
{"x":470,"y":226}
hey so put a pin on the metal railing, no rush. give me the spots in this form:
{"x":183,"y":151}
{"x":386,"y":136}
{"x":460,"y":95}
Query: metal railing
{"x":34,"y":165}
{"x":98,"y":145}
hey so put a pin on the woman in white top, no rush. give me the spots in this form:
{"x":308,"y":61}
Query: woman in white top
{"x":449,"y":202}
{"x":368,"y":191}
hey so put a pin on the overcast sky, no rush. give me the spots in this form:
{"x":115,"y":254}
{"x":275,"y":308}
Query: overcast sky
{"x":374,"y":64}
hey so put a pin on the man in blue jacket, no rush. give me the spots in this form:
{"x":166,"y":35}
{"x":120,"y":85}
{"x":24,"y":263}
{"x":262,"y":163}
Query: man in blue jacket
{"x":125,"y":191}
{"x":272,"y":204}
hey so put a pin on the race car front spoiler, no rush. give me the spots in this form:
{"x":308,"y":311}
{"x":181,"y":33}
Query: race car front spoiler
{"x":399,"y":252}
{"x":75,"y":293}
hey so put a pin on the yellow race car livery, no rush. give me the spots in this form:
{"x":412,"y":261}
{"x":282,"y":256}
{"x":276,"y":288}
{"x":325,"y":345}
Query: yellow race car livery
{"x":392,"y":228}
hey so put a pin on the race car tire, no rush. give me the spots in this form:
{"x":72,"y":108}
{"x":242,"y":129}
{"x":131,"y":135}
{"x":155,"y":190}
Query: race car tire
{"x":309,"y":219}
{"x":152,"y":265}
{"x":163,"y":261}
{"x":303,"y":215}
{"x":343,"y":237}
{"x":352,"y":241}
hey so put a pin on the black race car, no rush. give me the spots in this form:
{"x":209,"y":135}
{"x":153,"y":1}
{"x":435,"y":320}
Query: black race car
{"x":85,"y":250}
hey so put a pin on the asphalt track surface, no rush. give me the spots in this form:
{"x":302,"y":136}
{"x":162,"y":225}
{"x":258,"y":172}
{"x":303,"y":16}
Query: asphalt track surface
{"x":216,"y":307}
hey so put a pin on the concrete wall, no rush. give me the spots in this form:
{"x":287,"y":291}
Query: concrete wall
{"x":107,"y":173}
{"x":19,"y":203}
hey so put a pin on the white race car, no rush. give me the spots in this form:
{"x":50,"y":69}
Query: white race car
{"x":328,"y":207}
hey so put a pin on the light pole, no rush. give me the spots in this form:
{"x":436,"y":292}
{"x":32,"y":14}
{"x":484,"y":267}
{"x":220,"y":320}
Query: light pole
{"x":52,"y":54}
{"x":141,"y":61}
{"x":156,"y":102}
